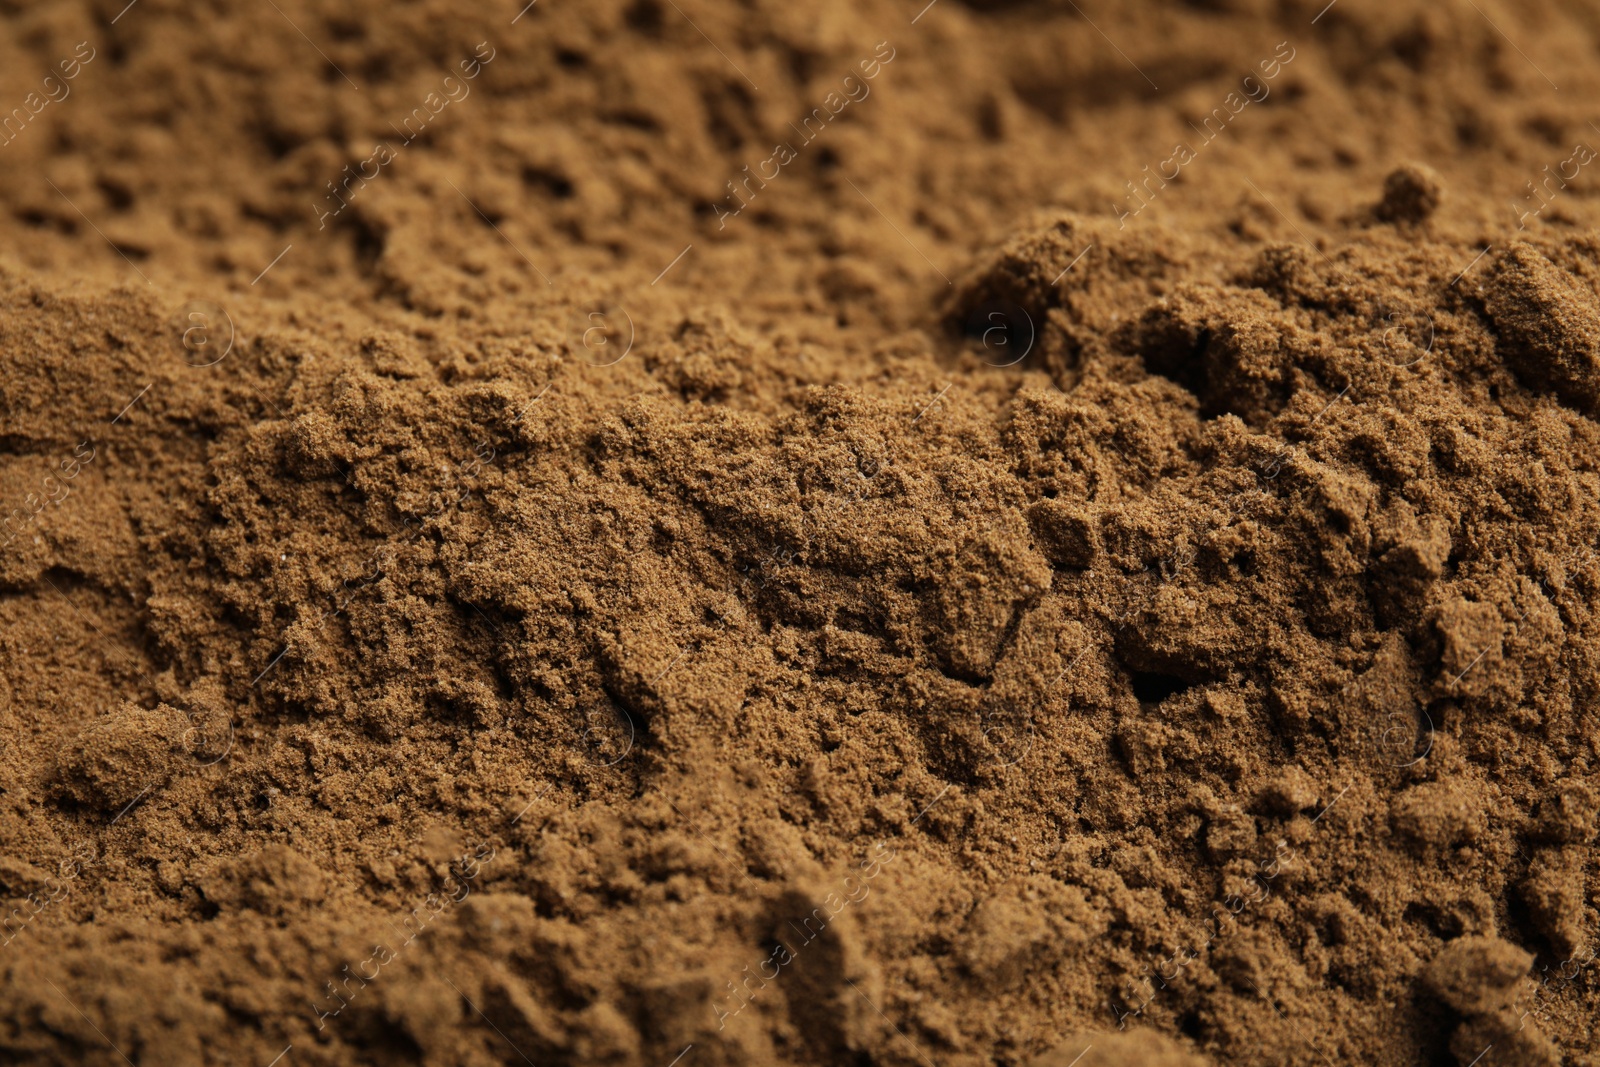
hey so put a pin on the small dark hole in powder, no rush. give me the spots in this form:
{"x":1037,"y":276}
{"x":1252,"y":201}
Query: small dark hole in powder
{"x":1152,"y":688}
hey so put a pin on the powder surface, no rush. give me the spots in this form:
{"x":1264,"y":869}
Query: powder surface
{"x":700,"y":533}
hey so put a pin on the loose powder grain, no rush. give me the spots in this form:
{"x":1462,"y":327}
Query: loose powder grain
{"x":699,"y":533}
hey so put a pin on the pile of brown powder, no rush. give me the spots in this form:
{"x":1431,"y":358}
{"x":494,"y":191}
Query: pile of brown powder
{"x":503,"y":564}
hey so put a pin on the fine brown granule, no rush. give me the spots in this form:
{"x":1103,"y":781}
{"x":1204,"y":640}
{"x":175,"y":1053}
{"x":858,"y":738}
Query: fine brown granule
{"x":697,"y":533}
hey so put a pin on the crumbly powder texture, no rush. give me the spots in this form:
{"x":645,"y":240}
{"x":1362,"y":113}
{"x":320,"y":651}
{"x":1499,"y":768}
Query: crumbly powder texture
{"x":1014,"y":533}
